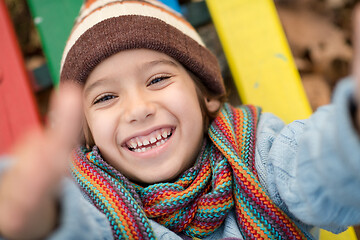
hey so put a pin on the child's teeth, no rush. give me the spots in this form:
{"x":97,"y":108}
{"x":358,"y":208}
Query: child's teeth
{"x":133,"y":145}
{"x":157,"y":139}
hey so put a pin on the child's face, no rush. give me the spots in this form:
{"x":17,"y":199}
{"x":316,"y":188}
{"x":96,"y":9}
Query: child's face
{"x":143,"y":112}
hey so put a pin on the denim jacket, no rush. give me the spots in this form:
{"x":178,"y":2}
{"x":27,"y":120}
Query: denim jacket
{"x":310,"y":168}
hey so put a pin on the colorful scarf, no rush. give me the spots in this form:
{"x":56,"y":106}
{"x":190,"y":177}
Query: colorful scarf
{"x":197,"y":203}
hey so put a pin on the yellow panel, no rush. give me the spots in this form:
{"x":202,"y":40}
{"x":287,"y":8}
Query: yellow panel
{"x":259,"y":57}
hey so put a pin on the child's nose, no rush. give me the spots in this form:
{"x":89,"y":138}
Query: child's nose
{"x":138,"y":108}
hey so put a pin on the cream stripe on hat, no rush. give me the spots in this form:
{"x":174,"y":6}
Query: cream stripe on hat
{"x":90,"y":6}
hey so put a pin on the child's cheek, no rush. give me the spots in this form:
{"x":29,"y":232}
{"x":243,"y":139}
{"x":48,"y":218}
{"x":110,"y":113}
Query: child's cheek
{"x":102,"y":129}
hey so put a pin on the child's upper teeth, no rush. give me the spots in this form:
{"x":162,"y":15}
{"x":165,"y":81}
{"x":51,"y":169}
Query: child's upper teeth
{"x":140,"y":144}
{"x":134,"y":145}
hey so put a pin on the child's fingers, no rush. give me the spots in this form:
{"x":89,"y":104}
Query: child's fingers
{"x":64,"y":126}
{"x":65,"y":117}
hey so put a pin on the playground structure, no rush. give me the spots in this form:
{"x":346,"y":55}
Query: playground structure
{"x":18,"y":109}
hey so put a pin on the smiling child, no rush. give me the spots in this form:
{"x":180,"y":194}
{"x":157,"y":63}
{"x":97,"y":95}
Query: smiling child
{"x":163,"y":155}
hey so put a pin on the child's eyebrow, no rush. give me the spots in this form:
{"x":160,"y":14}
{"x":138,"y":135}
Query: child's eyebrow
{"x":98,"y":83}
{"x":160,"y":62}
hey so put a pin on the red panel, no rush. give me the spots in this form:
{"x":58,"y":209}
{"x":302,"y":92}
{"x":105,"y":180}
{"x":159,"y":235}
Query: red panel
{"x":18,"y":109}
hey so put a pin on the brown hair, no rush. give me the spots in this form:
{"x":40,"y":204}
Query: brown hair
{"x":202,"y":93}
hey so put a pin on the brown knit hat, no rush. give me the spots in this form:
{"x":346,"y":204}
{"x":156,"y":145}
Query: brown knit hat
{"x":105,"y":27}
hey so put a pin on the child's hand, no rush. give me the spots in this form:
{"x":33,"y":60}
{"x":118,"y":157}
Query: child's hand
{"x":356,"y":61}
{"x":28,"y":201}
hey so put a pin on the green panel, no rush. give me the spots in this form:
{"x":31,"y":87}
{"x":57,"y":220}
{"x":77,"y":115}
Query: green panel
{"x":54,"y":20}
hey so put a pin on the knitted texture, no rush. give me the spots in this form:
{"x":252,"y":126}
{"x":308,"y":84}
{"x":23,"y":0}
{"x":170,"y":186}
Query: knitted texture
{"x":197,"y":203}
{"x":106,"y":27}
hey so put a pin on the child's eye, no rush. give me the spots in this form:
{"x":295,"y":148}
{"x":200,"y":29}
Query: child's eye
{"x":103,"y":98}
{"x":157,"y":80}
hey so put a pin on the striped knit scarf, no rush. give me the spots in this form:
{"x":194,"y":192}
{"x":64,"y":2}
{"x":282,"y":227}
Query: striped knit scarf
{"x":197,"y":203}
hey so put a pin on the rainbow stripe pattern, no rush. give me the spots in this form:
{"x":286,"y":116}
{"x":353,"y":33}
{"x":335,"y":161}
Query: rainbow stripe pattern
{"x":196,"y":204}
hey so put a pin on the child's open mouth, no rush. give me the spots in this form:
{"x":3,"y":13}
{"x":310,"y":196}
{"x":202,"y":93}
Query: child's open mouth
{"x":153,"y":140}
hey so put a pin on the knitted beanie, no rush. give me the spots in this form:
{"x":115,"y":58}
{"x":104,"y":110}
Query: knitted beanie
{"x":106,"y":27}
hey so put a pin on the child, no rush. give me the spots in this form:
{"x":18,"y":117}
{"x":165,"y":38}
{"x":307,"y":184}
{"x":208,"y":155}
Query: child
{"x":164,"y":157}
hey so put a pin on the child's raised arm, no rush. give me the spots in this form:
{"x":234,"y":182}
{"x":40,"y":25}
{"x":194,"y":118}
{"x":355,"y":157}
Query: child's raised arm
{"x":311,"y":167}
{"x":28,"y":189}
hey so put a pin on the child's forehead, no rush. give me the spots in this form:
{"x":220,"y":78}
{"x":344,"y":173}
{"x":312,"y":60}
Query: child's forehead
{"x":144,"y":59}
{"x":136,"y":61}
{"x":148,"y":55}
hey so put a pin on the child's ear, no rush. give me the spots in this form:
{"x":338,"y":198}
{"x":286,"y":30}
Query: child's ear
{"x":212,"y":104}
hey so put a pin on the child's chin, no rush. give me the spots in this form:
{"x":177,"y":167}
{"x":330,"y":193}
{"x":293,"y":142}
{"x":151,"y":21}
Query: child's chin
{"x":159,"y":178}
